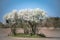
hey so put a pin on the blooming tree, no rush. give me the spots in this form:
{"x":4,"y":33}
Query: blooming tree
{"x":30,"y":15}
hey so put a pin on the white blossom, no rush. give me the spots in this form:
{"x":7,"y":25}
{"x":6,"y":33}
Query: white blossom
{"x":27,"y":14}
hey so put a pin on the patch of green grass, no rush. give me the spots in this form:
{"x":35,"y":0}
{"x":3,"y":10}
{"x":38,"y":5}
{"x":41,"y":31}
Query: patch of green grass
{"x":26,"y":35}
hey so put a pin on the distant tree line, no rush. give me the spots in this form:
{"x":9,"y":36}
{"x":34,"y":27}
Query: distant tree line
{"x":53,"y":22}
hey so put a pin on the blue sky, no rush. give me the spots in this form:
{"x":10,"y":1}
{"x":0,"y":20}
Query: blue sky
{"x":52,"y":7}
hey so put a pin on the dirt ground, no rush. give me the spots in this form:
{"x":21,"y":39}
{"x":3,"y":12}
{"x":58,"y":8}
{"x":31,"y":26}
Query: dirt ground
{"x":4,"y":36}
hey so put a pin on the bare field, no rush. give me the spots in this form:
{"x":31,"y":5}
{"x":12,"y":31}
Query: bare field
{"x":53,"y":34}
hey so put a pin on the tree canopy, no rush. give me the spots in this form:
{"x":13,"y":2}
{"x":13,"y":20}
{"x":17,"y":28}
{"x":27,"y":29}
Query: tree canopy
{"x":26,"y":14}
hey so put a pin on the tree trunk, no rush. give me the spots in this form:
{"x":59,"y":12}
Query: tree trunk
{"x":13,"y":29}
{"x":33,"y":27}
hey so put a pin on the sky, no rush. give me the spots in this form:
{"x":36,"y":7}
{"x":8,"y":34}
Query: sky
{"x":52,"y":7}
